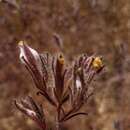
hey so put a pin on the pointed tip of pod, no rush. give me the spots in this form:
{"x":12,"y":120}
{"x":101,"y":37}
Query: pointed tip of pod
{"x":61,"y":59}
{"x":21,"y":43}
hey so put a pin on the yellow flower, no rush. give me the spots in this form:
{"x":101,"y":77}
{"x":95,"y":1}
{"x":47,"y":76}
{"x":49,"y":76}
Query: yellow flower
{"x":97,"y":63}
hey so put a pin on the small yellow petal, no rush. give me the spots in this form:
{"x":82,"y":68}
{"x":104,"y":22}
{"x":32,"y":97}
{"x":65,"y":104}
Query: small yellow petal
{"x":97,"y":63}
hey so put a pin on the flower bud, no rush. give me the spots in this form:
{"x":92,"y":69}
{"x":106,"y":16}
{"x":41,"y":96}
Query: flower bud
{"x":29,"y":56}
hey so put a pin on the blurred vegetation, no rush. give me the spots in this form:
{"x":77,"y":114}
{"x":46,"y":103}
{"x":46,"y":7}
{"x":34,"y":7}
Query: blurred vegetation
{"x":84,"y":26}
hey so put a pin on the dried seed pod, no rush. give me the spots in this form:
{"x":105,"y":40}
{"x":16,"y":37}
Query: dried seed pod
{"x":29,"y":107}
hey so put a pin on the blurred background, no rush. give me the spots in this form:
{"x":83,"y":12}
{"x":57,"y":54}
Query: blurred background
{"x":84,"y":26}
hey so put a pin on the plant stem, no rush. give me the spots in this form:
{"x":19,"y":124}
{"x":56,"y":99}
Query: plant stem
{"x":58,"y":123}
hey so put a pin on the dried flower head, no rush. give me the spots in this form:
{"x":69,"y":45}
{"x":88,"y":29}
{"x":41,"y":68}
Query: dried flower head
{"x":58,"y":83}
